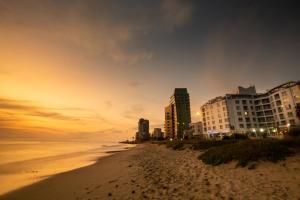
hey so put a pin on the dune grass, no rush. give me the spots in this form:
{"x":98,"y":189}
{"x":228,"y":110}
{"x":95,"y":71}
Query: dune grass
{"x":175,"y":144}
{"x":249,"y":150}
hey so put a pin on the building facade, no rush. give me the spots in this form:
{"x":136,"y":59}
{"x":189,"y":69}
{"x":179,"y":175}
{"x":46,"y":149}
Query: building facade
{"x":157,"y":134}
{"x":143,"y":130}
{"x":249,"y":112}
{"x":178,"y":114}
{"x":197,"y":129}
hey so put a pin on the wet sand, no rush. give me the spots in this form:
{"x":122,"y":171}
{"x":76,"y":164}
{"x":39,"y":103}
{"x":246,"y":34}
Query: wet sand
{"x":150,"y":171}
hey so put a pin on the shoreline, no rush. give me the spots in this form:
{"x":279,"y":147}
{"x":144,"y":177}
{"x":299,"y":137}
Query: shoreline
{"x":151,"y":171}
{"x":22,"y":173}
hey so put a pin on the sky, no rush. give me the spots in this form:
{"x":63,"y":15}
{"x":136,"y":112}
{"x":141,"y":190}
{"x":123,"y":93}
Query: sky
{"x":91,"y":68}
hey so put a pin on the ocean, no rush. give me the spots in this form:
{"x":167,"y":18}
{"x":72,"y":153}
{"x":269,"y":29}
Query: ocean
{"x":25,"y":162}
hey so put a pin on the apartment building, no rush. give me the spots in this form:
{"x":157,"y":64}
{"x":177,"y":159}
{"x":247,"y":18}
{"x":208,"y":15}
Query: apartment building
{"x":178,"y":114}
{"x":249,"y":112}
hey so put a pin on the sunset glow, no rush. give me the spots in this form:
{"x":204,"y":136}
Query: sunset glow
{"x":96,"y":68}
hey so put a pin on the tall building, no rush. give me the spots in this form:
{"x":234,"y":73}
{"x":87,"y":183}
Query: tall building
{"x":169,"y":121}
{"x":178,"y":114}
{"x":249,"y":112}
{"x":143,"y":130}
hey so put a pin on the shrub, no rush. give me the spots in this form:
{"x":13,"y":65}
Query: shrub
{"x":175,"y":144}
{"x":246,"y":151}
{"x":294,"y":132}
{"x":206,"y":144}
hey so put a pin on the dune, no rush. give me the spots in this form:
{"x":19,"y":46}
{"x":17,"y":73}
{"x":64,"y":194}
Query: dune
{"x":150,"y":171}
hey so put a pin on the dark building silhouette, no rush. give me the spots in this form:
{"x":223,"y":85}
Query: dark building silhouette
{"x":178,"y":114}
{"x":143,"y":130}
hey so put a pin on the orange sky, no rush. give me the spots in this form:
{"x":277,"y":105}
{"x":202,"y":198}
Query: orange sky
{"x":93,"y":68}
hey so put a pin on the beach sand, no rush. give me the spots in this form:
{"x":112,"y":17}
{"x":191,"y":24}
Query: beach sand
{"x":151,"y":171}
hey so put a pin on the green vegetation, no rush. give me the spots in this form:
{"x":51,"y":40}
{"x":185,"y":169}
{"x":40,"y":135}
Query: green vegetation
{"x":294,"y":132}
{"x":206,"y":144}
{"x":249,"y":150}
{"x":175,"y":144}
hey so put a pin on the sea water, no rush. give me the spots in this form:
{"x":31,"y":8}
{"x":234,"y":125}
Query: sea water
{"x":26,"y":162}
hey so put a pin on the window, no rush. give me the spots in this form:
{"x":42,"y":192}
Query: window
{"x":208,"y":128}
{"x":213,"y":122}
{"x":245,"y":107}
{"x":281,"y":116}
{"x":250,"y":101}
{"x":221,"y":127}
{"x":276,"y":96}
{"x":237,"y":101}
{"x":283,"y":93}
{"x":224,"y":108}
{"x":254,"y":119}
{"x":253,"y":113}
{"x":239,"y":113}
{"x":214,"y":128}
{"x":280,"y":109}
{"x":226,"y":119}
{"x":238,"y":107}
{"x":244,"y":102}
{"x":247,"y":119}
{"x":292,"y":122}
{"x":240,"y":119}
{"x":241,"y":125}
{"x":278,"y":103}
{"x":220,"y":120}
{"x":226,"y":125}
{"x":248,"y":125}
{"x":290,"y":114}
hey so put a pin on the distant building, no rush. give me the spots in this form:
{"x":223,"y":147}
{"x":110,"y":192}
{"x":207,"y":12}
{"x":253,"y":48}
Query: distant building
{"x":158,"y":134}
{"x":178,"y":114}
{"x":197,"y":129}
{"x":249,"y":112}
{"x":143,"y":130}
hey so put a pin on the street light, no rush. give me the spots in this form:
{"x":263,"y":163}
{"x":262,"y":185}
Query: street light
{"x":261,"y":130}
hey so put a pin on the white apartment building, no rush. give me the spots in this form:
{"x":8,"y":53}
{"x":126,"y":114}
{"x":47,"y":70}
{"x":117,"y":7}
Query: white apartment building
{"x":249,"y":112}
{"x":196,"y":128}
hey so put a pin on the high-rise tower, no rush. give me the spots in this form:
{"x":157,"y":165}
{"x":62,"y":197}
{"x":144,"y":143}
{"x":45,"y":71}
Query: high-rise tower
{"x":178,"y":114}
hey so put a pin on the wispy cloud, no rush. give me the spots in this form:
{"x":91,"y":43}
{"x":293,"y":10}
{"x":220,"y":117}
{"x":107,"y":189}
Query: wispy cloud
{"x":134,"y":112}
{"x":176,"y":13}
{"x":134,"y":84}
{"x":29,"y":116}
{"x":11,"y":105}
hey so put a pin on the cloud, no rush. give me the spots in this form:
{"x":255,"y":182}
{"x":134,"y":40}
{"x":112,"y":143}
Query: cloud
{"x":53,"y":115}
{"x":176,"y":13}
{"x":11,"y":105}
{"x":134,"y":112}
{"x":100,"y":29}
{"x":134,"y":84}
{"x":108,"y":104}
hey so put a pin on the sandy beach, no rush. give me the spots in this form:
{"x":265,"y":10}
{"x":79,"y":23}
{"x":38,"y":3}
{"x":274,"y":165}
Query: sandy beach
{"x":151,"y":171}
